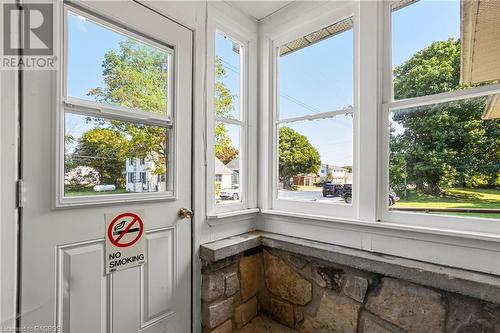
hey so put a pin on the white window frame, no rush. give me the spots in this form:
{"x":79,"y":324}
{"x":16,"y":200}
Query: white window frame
{"x":449,"y":222}
{"x":337,"y":210}
{"x":220,"y":23}
{"x":476,"y":251}
{"x":68,"y":104}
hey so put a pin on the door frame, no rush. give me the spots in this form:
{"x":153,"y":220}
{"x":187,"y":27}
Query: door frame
{"x":191,"y":16}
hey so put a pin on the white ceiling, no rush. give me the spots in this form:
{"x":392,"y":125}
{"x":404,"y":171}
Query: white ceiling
{"x":259,"y":9}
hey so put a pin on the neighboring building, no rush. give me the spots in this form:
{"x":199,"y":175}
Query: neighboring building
{"x":234,"y":166}
{"x":335,"y":174}
{"x":305,"y":180}
{"x":223,"y":174}
{"x":140,"y":178}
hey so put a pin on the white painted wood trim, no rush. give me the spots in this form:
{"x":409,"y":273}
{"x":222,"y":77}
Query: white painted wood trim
{"x":8,"y":199}
{"x":245,"y":33}
{"x":222,"y":218}
{"x":476,"y":252}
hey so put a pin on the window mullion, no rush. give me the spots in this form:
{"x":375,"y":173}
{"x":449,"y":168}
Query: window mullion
{"x":450,"y":96}
{"x":230,"y":121}
{"x":116,"y":113}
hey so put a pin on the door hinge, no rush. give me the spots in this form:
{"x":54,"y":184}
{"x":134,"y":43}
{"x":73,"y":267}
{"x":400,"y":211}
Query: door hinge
{"x":20,"y":193}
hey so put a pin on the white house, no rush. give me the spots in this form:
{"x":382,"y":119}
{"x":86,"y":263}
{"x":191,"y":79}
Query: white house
{"x":234,"y":166}
{"x":223,"y":174}
{"x":337,"y":174}
{"x":140,"y":178}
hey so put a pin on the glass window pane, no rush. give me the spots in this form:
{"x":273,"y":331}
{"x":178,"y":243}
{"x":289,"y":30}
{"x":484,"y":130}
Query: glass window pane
{"x":105,"y":157}
{"x":316,"y":160}
{"x":109,"y":67}
{"x":445,"y":159}
{"x":227,"y":77}
{"x":228,"y":171}
{"x":316,"y":72}
{"x":440,"y":46}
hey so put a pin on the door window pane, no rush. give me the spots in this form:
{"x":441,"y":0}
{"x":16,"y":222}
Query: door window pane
{"x":103,"y":156}
{"x":228,"y":55}
{"x":109,"y":67}
{"x":440,"y":46}
{"x":227,"y":163}
{"x":445,"y":159}
{"x":315,"y":160}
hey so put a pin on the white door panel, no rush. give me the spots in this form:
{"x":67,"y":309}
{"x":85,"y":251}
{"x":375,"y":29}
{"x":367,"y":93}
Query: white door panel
{"x":62,"y":267}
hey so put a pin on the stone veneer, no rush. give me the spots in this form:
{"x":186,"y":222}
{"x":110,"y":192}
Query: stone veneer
{"x":311,"y":295}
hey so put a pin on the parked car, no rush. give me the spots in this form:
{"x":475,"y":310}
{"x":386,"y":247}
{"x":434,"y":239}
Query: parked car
{"x":332,"y":189}
{"x":230,"y":193}
{"x":347,"y":195}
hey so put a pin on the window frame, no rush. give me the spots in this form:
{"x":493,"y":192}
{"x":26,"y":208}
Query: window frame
{"x":336,"y":210}
{"x":467,"y":250}
{"x":218,"y":23}
{"x":415,"y":219}
{"x":67,"y":104}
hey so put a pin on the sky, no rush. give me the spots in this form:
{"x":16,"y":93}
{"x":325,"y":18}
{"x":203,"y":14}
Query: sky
{"x":315,"y":79}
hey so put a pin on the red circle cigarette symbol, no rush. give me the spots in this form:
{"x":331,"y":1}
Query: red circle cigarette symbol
{"x":127,"y":221}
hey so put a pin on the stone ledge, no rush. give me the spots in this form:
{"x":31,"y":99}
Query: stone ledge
{"x":478,"y":285}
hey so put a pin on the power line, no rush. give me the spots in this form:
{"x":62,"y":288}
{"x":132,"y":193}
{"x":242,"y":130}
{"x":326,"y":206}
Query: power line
{"x":300,"y":103}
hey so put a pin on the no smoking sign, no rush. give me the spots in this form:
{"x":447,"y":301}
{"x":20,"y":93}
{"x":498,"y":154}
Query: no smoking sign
{"x":125,"y":246}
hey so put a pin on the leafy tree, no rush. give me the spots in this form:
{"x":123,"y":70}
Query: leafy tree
{"x":432,"y":70}
{"x":296,"y":156}
{"x":104,"y":150}
{"x":441,"y":145}
{"x":136,"y":77}
{"x":81,"y":176}
{"x":348,"y":168}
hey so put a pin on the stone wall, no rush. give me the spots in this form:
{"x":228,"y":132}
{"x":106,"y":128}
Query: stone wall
{"x":315,"y":296}
{"x":230,"y":290}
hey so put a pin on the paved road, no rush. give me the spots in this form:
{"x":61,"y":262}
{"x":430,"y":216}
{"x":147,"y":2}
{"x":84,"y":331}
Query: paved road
{"x":308,"y":195}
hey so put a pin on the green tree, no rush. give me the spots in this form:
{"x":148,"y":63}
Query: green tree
{"x":136,"y":77}
{"x":104,"y":150}
{"x":441,"y":145}
{"x":296,"y":156}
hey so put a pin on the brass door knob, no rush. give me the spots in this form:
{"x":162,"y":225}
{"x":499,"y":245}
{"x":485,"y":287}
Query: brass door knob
{"x":185,"y":213}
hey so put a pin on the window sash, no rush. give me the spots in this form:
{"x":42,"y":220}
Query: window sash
{"x":467,"y":224}
{"x":93,"y":107}
{"x":219,"y":26}
{"x":68,"y":104}
{"x":314,"y":209}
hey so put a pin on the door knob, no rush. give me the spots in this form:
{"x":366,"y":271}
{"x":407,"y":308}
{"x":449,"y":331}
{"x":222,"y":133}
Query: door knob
{"x":185,"y":213}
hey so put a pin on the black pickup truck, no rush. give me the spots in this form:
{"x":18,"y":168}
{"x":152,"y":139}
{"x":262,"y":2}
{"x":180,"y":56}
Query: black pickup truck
{"x":334,"y":190}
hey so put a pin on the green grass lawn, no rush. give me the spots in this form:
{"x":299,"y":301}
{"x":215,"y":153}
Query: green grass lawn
{"x":89,"y":191}
{"x":454,"y":198}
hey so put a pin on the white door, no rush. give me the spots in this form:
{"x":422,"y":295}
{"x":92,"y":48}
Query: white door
{"x":118,"y":111}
